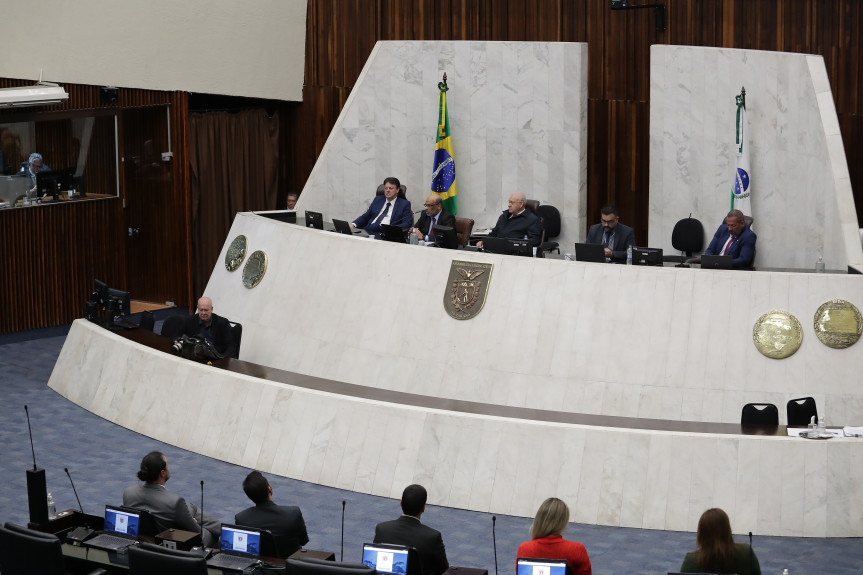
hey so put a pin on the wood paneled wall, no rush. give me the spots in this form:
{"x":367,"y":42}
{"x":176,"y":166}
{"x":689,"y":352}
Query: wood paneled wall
{"x":341,"y":34}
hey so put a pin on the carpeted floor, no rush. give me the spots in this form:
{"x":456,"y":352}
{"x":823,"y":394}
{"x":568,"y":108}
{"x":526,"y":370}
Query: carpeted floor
{"x":103,"y":458}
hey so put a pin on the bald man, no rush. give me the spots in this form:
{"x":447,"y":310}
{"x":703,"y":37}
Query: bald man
{"x":215,"y":329}
{"x":517,"y":222}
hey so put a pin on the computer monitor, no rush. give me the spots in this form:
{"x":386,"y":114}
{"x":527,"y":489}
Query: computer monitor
{"x":445,"y":237}
{"x":717,"y":262}
{"x":646,"y":256}
{"x":528,"y":566}
{"x":391,"y":559}
{"x":50,"y":183}
{"x":392,"y":233}
{"x":100,"y":292}
{"x":594,"y":253}
{"x":119,"y":301}
{"x":314,"y":220}
{"x":507,"y":246}
{"x":288,"y":217}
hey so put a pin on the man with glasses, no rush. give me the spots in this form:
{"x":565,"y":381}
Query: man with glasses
{"x":613,"y":235}
{"x":517,"y":222}
{"x":434,"y":215}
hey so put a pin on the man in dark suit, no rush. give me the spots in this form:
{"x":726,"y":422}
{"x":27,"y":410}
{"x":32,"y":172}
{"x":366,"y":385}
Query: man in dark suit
{"x":387,"y":209}
{"x":284,"y":522}
{"x":169,"y":510}
{"x":609,"y":232}
{"x":213,"y":328}
{"x":517,"y":222}
{"x":735,"y":239}
{"x":434,"y":215}
{"x":407,"y":530}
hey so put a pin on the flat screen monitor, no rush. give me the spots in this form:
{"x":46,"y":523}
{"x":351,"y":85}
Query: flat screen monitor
{"x":121,"y":520}
{"x":646,"y":256}
{"x":507,"y":246}
{"x":445,"y":237}
{"x":590,"y":253}
{"x":100,"y":292}
{"x":314,"y":220}
{"x":288,"y":217}
{"x":717,"y":262}
{"x":119,"y":301}
{"x":50,"y":183}
{"x":527,"y":566}
{"x":392,"y":233}
{"x":390,"y":559}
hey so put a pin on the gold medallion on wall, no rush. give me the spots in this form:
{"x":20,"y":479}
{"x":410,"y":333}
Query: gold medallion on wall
{"x":466,"y":288}
{"x":254,"y":270}
{"x":777,"y":334}
{"x":838,"y":324}
{"x":236,"y":253}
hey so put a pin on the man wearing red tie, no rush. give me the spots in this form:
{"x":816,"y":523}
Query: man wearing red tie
{"x":735,"y":239}
{"x":434,"y":215}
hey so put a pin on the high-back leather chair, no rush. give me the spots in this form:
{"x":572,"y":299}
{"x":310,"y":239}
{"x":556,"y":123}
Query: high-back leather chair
{"x":237,"y":335}
{"x":25,"y":551}
{"x":463,"y":229}
{"x":148,"y":559}
{"x":172,"y":326}
{"x":801,"y":410}
{"x":759,"y":414}
{"x":550,"y":217}
{"x":688,"y":237}
{"x":531,"y":205}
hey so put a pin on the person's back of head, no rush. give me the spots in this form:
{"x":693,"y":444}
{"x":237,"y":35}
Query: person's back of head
{"x":551,"y":518}
{"x":256,"y":487}
{"x":151,"y":466}
{"x":715,"y":542}
{"x":414,"y":500}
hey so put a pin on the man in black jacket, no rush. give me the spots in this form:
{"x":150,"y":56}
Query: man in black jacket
{"x":517,"y":222}
{"x":284,"y":522}
{"x":407,"y":530}
{"x":434,"y":215}
{"x":213,"y":328}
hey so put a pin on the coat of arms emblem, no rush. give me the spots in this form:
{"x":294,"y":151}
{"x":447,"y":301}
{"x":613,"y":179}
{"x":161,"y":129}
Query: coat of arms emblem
{"x":467,"y":287}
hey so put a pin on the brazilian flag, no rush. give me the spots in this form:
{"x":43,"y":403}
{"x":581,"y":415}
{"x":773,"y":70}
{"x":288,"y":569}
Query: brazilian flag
{"x":443,"y":172}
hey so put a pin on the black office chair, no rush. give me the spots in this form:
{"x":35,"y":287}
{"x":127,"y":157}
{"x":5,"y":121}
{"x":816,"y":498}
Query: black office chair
{"x":310,"y":566}
{"x":759,"y":414}
{"x":688,"y":237}
{"x":801,"y":410}
{"x":149,"y":559}
{"x":148,"y":320}
{"x":237,"y":334}
{"x":173,"y":325}
{"x":550,"y":217}
{"x":26,"y":551}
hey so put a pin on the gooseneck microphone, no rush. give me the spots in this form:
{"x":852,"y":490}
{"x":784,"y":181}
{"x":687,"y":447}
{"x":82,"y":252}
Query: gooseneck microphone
{"x":37,"y":487}
{"x":203,"y":547}
{"x":79,"y":534}
{"x":75,"y":491}
{"x":751,"y":552}
{"x":30,"y":431}
{"x":342,"y":552}
{"x":494,"y":542}
{"x":402,"y":219}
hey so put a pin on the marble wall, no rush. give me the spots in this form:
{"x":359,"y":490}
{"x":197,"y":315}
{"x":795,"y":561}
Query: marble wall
{"x":518,"y":112}
{"x":802,"y":200}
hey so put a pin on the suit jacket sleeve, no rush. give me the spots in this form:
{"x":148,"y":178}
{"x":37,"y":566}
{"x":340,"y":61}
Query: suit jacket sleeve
{"x":446,"y":219}
{"x":747,"y":249}
{"x":628,"y":239}
{"x":534,"y":232}
{"x":402,"y":214}
{"x":303,"y":535}
{"x":183,"y":517}
{"x":440,"y":555}
{"x":715,"y":243}
{"x":370,"y":213}
{"x":423,"y":224}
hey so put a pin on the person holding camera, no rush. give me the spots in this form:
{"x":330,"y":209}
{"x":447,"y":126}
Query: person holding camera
{"x":213,"y":328}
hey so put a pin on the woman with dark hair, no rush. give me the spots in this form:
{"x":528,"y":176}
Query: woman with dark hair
{"x":717,"y":552}
{"x":548,"y":543}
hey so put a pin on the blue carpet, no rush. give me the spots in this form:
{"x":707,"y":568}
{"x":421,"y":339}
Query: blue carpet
{"x":103,"y":458}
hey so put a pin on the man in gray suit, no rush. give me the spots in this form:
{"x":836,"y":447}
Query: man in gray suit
{"x":169,"y":510}
{"x":408,"y":531}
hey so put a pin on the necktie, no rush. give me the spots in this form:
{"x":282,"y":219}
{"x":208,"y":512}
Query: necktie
{"x":384,"y":213}
{"x":728,"y":246}
{"x":431,"y":228}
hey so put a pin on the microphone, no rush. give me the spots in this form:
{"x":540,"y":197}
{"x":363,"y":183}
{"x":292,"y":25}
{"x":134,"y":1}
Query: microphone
{"x":82,"y":533}
{"x":751,"y":552}
{"x":37,"y":487}
{"x":204,"y":551}
{"x":401,"y":219}
{"x":494,"y":542}
{"x":342,"y":553}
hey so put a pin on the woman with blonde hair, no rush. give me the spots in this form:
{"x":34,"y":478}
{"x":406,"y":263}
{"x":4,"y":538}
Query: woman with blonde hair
{"x":547,"y":542}
{"x":717,"y":552}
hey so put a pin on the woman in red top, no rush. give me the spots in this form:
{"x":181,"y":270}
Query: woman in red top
{"x":546,"y":540}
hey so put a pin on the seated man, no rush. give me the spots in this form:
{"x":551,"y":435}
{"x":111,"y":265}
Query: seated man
{"x":517,"y":222}
{"x":34,"y":166}
{"x":615,"y":236}
{"x":434,"y":215}
{"x":407,"y":530}
{"x":292,"y":200}
{"x":169,"y":510}
{"x":387,"y":209}
{"x":285,"y":523}
{"x":213,"y":328}
{"x":735,"y":239}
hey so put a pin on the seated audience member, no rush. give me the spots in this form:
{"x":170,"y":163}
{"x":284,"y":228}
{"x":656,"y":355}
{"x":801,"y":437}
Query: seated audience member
{"x":387,"y":209}
{"x":213,"y":328}
{"x":169,"y":510}
{"x":517,"y":222}
{"x":717,"y":552}
{"x":407,"y":530}
{"x":34,"y":166}
{"x":292,"y":200}
{"x":434,"y":215}
{"x":548,"y":543}
{"x":609,"y":232}
{"x":735,"y":239}
{"x":284,"y":522}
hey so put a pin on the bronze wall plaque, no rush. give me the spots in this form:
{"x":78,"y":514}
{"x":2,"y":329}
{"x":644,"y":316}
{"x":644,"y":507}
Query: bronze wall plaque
{"x":838,"y":324}
{"x":466,"y":288}
{"x":236,"y":253}
{"x":777,"y":334}
{"x":254,"y":270}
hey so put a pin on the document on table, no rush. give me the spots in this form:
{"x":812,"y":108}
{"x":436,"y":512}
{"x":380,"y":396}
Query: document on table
{"x":851,"y":431}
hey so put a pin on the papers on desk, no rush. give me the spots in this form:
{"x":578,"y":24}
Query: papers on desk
{"x":802,"y":431}
{"x":480,"y":231}
{"x":851,"y":431}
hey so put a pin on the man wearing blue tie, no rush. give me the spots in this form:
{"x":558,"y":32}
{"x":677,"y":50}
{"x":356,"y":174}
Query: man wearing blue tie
{"x":387,"y":209}
{"x":735,"y":239}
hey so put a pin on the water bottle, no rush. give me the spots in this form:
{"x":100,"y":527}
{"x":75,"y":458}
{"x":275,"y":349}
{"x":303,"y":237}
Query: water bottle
{"x":785,"y":572}
{"x":52,"y":507}
{"x":629,"y":255}
{"x":822,"y":425}
{"x":819,"y":265}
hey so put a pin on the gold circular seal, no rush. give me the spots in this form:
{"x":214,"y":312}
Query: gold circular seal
{"x":236,"y":253}
{"x":254,"y":270}
{"x":838,"y":324}
{"x":777,"y":334}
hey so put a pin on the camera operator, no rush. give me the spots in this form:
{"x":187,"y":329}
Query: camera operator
{"x":215,"y":329}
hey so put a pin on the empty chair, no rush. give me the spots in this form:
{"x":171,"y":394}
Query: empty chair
{"x":688,"y":237}
{"x":173,"y":325}
{"x":25,"y":551}
{"x":147,"y":559}
{"x":759,"y":414}
{"x":148,"y":320}
{"x":310,"y":566}
{"x":550,"y":217}
{"x":801,"y":410}
{"x":237,"y":334}
{"x":463,"y":229}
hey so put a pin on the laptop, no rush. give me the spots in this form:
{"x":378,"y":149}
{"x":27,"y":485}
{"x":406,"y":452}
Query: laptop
{"x":527,"y":566}
{"x":240,"y":548}
{"x":717,"y":262}
{"x":590,"y":253}
{"x":315,"y":220}
{"x":343,"y":227}
{"x":392,"y":559}
{"x":121,"y":529}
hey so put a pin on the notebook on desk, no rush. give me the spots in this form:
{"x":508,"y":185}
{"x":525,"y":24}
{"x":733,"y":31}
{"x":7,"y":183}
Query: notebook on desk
{"x":717,"y":262}
{"x":594,"y":253}
{"x":239,"y":548}
{"x":343,"y":227}
{"x":121,"y":529}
